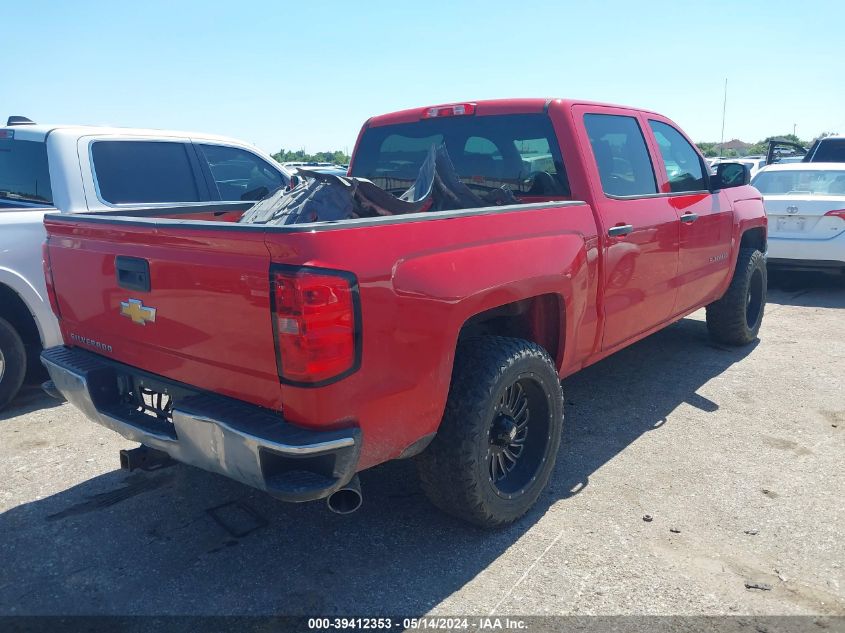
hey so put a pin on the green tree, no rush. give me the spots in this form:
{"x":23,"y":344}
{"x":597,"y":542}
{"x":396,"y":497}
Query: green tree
{"x":709,"y":149}
{"x":712,"y":150}
{"x":285,"y":156}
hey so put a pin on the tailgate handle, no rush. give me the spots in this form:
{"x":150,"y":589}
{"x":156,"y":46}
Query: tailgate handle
{"x":133,"y":273}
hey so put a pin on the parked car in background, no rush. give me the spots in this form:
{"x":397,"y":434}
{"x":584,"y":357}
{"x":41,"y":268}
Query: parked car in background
{"x":290,"y":357}
{"x":781,"y":150}
{"x":754,"y":164}
{"x":71,"y":169}
{"x":830,"y":149}
{"x":805,"y":203}
{"x":291,"y":167}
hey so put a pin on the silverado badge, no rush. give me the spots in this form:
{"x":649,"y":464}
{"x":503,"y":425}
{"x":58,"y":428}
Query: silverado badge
{"x":137,"y":311}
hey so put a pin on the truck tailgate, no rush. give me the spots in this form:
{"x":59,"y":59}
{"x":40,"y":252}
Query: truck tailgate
{"x":192,"y":305}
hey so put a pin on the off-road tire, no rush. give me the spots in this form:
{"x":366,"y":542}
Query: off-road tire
{"x":13,"y":355}
{"x":454,"y":469}
{"x":735,"y":319}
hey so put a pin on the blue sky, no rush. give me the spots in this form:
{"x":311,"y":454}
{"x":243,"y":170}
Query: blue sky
{"x":307,"y":74}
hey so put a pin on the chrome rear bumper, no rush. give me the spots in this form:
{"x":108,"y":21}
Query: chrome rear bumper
{"x":244,"y":442}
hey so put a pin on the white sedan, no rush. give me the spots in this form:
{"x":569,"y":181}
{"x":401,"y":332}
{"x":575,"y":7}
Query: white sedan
{"x":805,"y":203}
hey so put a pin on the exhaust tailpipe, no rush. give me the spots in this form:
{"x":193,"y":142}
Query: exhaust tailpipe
{"x":347,"y":499}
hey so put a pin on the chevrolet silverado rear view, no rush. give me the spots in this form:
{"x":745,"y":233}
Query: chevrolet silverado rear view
{"x":427,"y":306}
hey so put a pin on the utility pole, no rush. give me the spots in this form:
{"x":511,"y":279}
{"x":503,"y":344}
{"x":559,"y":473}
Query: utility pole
{"x":724,"y":107}
{"x":794,"y":126}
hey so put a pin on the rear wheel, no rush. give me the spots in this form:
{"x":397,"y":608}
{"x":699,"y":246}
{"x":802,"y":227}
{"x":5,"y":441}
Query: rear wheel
{"x":735,"y":319}
{"x":497,"y":443}
{"x":12,"y":362}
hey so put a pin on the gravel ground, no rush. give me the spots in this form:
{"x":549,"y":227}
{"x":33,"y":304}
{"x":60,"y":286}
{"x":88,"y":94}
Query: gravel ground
{"x":737,"y":455}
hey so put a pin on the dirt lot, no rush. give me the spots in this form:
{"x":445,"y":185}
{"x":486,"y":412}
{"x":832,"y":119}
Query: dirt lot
{"x":736,"y":454}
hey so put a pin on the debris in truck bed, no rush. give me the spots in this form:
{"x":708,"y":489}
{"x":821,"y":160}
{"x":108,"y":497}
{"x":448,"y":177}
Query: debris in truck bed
{"x":328,"y":198}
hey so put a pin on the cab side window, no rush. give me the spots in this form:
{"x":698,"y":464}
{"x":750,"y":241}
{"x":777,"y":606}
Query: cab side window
{"x":683,"y":165}
{"x":138,"y":172}
{"x":239,"y":174}
{"x":621,"y":155}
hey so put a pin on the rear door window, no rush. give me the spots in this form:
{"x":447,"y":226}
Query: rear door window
{"x":519,"y":151}
{"x":128,"y":172}
{"x":24,"y":174}
{"x":239,"y":174}
{"x":683,"y":165}
{"x":621,"y":155}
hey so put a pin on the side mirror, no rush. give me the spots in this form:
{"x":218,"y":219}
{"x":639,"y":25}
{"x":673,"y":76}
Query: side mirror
{"x":731,"y":175}
{"x":294,"y":181}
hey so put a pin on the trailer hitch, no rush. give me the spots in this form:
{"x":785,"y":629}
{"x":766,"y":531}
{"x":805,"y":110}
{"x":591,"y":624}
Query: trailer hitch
{"x":144,"y":458}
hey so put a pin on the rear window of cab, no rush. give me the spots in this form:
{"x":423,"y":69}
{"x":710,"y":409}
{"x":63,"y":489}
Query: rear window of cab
{"x":519,"y":151}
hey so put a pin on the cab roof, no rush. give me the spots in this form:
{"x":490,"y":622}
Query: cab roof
{"x":494,"y":106}
{"x":39,"y":132}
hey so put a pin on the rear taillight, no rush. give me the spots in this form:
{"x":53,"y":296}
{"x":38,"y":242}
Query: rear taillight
{"x":456,"y":109}
{"x":837,"y":213}
{"x":48,"y":278}
{"x":316,"y":323}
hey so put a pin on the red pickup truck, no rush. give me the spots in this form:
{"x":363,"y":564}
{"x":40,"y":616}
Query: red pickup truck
{"x":292,"y":357}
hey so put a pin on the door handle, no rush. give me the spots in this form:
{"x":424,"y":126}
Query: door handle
{"x":689,"y":218}
{"x":620,"y":229}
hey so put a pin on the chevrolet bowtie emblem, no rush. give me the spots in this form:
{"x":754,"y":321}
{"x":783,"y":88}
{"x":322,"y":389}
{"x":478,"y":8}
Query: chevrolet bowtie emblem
{"x":137,"y":311}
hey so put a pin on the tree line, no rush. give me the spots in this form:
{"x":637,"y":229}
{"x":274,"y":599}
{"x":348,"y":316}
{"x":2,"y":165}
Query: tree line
{"x":708,"y":149}
{"x":286,"y":156}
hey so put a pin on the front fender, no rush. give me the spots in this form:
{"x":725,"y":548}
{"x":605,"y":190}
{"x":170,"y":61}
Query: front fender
{"x":749,"y":213}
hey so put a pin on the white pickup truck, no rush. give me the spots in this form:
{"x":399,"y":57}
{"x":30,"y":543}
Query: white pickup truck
{"x":73,"y":169}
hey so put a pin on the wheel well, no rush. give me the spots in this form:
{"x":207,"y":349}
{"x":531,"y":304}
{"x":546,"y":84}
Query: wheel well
{"x":754,"y":238}
{"x":537,"y":319}
{"x":16,"y":312}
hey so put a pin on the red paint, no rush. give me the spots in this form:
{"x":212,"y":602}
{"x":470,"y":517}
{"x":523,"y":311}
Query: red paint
{"x":419,"y":283}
